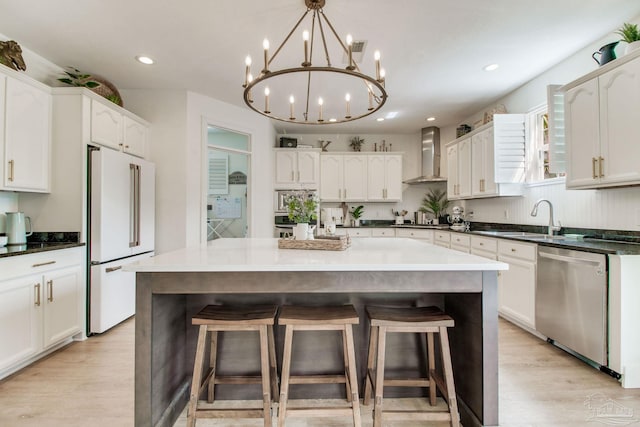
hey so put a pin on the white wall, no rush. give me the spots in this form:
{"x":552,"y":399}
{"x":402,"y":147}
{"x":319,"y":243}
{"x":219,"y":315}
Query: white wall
{"x":178,"y":148}
{"x":606,"y":209}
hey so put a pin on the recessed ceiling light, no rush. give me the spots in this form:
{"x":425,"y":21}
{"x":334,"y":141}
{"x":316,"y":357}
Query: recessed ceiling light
{"x":144,"y":59}
{"x":430,"y":119}
{"x":491,"y":67}
{"x":380,"y":119}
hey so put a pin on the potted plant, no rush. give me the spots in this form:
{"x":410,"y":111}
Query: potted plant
{"x":435,"y":202}
{"x":356,"y":143}
{"x":631,"y":35}
{"x":356,"y":213}
{"x":302,"y":210}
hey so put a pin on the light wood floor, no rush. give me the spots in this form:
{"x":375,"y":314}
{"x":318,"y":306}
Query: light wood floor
{"x":90,"y":383}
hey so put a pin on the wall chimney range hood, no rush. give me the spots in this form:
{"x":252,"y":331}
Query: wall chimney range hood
{"x":430,"y":157}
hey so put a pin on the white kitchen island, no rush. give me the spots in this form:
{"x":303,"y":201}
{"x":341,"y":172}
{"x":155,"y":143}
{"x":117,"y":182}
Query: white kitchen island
{"x":172,"y":287}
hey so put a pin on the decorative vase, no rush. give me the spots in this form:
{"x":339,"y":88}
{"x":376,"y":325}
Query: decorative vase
{"x":301,"y":231}
{"x":356,"y":222}
{"x":631,"y":47}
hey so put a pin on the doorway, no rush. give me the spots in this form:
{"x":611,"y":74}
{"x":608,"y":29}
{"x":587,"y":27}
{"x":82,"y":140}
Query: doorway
{"x":228,"y":166}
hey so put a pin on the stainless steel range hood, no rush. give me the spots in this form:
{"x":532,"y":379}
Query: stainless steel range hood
{"x":430,"y":157}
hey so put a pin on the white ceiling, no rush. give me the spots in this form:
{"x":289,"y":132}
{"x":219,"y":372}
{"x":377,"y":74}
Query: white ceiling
{"x":433,"y":50}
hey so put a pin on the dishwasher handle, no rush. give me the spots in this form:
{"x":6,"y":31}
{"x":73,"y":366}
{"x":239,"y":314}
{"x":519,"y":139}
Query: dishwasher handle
{"x":569,"y":259}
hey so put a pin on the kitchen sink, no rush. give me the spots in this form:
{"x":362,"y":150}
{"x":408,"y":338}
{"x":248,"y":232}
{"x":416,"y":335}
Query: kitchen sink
{"x":521,"y":234}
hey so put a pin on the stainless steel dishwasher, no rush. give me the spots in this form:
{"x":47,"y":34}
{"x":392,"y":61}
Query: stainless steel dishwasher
{"x":571,"y":300}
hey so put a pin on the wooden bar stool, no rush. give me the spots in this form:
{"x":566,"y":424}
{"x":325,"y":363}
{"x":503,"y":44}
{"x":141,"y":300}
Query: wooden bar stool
{"x":429,"y":320}
{"x":336,"y":318}
{"x":218,"y":318}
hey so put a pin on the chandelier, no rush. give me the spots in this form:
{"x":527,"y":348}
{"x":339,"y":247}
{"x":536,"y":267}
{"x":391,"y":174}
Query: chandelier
{"x":307,"y":93}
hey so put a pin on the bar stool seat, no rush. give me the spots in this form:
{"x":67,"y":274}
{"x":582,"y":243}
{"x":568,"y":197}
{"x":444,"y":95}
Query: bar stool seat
{"x":219,"y":318}
{"x":428,"y":320}
{"x":338,"y":318}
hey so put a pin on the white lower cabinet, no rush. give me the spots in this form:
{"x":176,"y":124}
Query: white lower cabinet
{"x":484,"y":247}
{"x":41,"y":304}
{"x":517,"y":285}
{"x":460,"y":242}
{"x":442,"y":238}
{"x":383,"y":232}
{"x":424,"y":235}
{"x":354,"y":232}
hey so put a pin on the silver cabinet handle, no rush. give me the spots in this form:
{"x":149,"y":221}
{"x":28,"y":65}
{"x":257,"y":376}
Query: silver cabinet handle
{"x":36,"y":288}
{"x":600,"y":166}
{"x":593,"y":167}
{"x":43,"y":263}
{"x":11,"y":164}
{"x":50,"y":286}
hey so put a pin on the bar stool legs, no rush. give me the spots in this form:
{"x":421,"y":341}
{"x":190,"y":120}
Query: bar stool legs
{"x":214,"y":319}
{"x":428,"y":320}
{"x":341,"y":318}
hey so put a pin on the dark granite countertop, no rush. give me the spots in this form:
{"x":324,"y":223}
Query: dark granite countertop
{"x":42,"y":242}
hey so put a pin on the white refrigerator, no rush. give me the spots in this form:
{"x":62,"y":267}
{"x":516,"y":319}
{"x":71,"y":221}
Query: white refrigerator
{"x":122,"y":224}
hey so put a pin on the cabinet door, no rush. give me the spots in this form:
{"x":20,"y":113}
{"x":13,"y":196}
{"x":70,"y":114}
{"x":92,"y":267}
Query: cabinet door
{"x":482,"y":164}
{"x":331,"y":178}
{"x":106,"y":125}
{"x":355,"y":178}
{"x":62,"y":305}
{"x":619,"y":124}
{"x":393,"y":177}
{"x":135,"y":137}
{"x":286,"y":167}
{"x":516,"y":291}
{"x":464,"y":168}
{"x":27,"y":137}
{"x":582,"y":134}
{"x":308,"y":168}
{"x":452,"y":171}
{"x":376,"y":181}
{"x":20,"y":309}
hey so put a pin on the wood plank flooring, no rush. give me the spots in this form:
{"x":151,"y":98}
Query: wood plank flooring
{"x":90,"y":383}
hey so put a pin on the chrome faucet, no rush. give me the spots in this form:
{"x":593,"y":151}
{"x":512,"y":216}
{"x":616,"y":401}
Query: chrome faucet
{"x":552,"y":228}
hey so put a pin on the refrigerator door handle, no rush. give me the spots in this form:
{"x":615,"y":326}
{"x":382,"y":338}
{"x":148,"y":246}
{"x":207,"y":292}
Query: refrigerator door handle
{"x":132,"y":205}
{"x":138,"y":185}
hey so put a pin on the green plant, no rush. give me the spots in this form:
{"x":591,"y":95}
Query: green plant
{"x":302,"y":209}
{"x":357,"y":212}
{"x":435,"y":202}
{"x":629,"y":32}
{"x":100,"y":86}
{"x":356,"y":143}
{"x":76,"y":78}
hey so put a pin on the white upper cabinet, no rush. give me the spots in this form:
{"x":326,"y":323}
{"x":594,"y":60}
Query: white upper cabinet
{"x":343,"y":177}
{"x":384,"y":178}
{"x":111,"y":128}
{"x":602,"y":132}
{"x":25,"y":134}
{"x":459,"y":167}
{"x":297,"y":168}
{"x":489,"y":161}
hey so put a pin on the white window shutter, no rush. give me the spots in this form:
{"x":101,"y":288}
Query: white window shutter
{"x":218,"y":175}
{"x":557,"y":146}
{"x":509,"y":140}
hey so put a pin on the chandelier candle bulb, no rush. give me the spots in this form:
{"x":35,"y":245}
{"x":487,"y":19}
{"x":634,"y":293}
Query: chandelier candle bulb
{"x":376,"y":57}
{"x":291,"y":102}
{"x":350,"y":49}
{"x":266,"y":100}
{"x":320,"y":102}
{"x":348,"y":99}
{"x":370,"y":98}
{"x":265,"y":45}
{"x":382,"y":76}
{"x":247,"y":62}
{"x":305,"y":38}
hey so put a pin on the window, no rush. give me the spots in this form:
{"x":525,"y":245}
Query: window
{"x":539,"y":156}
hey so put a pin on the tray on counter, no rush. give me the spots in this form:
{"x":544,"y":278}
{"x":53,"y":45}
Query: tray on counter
{"x":323,"y":243}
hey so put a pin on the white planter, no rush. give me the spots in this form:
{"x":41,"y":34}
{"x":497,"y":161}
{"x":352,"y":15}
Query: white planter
{"x":301,"y":231}
{"x":631,"y":47}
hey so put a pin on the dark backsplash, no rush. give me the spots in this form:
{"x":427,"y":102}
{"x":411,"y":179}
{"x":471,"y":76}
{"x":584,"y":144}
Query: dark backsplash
{"x":54,"y":236}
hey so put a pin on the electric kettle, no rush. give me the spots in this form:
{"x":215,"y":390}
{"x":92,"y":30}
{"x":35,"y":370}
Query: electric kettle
{"x":16,"y":228}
